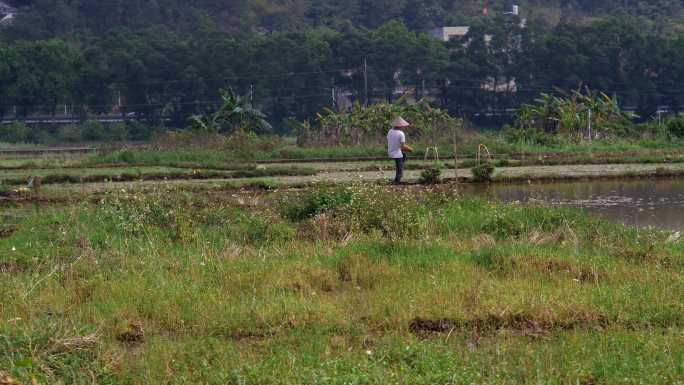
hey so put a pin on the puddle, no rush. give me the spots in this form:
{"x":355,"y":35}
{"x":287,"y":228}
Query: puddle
{"x":642,"y":203}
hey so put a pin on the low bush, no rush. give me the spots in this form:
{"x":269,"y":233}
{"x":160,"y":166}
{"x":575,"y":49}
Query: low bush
{"x":117,"y":132}
{"x":529,"y":136}
{"x":5,"y":189}
{"x":675,"y":126}
{"x":315,"y":202}
{"x":256,"y":231}
{"x":261,"y":184}
{"x":483,"y":172}
{"x":139,"y":131}
{"x":177,"y":215}
{"x":361,"y":209}
{"x":122,"y":156}
{"x":92,"y":130}
{"x":432,"y":175}
{"x":16,"y":132}
{"x":239,"y":144}
{"x":69,"y":134}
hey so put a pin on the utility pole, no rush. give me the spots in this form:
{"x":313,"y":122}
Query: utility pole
{"x":589,"y":119}
{"x":660,"y":117}
{"x":251,"y":94}
{"x":365,"y":82}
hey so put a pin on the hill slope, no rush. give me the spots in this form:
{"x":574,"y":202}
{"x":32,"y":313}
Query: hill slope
{"x":42,"y":19}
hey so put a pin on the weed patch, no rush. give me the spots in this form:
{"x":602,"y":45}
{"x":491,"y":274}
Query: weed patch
{"x":360,"y":284}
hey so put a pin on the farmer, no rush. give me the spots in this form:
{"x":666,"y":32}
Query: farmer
{"x":396,"y":146}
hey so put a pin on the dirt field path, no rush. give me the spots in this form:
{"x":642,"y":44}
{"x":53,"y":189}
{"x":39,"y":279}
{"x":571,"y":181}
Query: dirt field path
{"x":532,"y":172}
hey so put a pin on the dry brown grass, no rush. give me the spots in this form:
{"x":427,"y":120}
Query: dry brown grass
{"x":74,"y":344}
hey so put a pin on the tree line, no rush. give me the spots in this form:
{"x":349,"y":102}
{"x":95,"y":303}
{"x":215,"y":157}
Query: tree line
{"x":165,"y":76}
{"x":41,"y":19}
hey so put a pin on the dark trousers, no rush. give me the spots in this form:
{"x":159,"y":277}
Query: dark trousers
{"x":399,"y":163}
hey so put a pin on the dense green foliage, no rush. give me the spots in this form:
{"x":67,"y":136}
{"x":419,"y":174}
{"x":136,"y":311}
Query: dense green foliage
{"x":41,"y":19}
{"x":368,"y":124}
{"x":87,"y":131}
{"x":167,"y":61}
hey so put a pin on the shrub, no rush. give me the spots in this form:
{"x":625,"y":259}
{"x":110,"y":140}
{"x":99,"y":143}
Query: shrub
{"x":675,"y":126}
{"x":70,"y":134}
{"x":5,"y":190}
{"x":261,"y":184}
{"x":256,"y":231}
{"x":122,"y":156}
{"x":43,"y":136}
{"x":249,"y":145}
{"x":139,"y":131}
{"x":362,"y":209}
{"x":432,"y":175}
{"x":15,"y":132}
{"x":92,"y":130}
{"x":530,"y":136}
{"x":483,"y":172}
{"x":133,"y":213}
{"x":314,"y":203}
{"x":117,"y":131}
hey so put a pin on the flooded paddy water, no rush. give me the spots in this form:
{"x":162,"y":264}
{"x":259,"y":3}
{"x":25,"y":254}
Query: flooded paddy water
{"x":655,"y":203}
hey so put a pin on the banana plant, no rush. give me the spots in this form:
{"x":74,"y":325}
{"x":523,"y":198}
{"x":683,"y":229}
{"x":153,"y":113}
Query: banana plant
{"x":235,"y":113}
{"x":372,"y":122}
{"x":569,"y":115}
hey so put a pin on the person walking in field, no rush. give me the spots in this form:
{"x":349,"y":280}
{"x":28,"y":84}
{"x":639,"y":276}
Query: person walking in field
{"x":397,"y":147}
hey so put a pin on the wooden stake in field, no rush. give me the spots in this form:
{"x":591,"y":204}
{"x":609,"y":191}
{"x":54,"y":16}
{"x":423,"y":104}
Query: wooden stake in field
{"x":453,"y":138}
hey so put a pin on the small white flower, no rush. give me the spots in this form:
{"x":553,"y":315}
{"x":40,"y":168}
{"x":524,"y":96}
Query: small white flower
{"x":369,"y":352}
{"x":14,"y":248}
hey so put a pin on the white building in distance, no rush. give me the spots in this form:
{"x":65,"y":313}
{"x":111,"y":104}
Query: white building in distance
{"x":447,"y":33}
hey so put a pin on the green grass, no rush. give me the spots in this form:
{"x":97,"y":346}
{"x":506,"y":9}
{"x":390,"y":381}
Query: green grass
{"x":225,"y":159}
{"x":426,"y":287}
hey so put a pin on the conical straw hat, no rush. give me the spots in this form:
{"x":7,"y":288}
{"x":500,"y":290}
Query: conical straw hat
{"x":400,"y":122}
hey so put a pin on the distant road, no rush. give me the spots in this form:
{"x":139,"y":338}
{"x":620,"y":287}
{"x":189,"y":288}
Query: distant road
{"x":42,"y":151}
{"x":64,"y":120}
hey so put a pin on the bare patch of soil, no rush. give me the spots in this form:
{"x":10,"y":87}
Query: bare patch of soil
{"x":582,"y":274}
{"x":135,"y":334}
{"x":242,"y":335}
{"x":425,"y":327}
{"x":529,"y":325}
{"x":33,"y":199}
{"x":10,"y":268}
{"x":8,"y":231}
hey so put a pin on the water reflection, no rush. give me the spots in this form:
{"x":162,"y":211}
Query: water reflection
{"x":656,"y":203}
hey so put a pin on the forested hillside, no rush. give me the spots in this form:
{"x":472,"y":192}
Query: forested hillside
{"x":47,"y":18}
{"x":167,"y":59}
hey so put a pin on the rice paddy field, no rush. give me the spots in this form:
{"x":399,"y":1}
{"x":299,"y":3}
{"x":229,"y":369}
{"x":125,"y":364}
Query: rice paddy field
{"x":237,"y":279}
